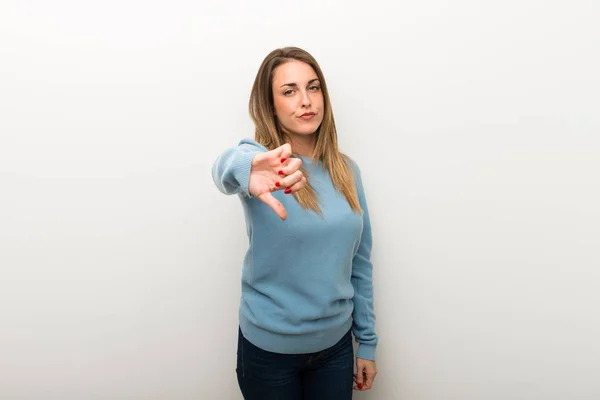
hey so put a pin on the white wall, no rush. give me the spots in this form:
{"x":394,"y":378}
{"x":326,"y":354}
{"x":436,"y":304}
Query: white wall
{"x":475,"y":124}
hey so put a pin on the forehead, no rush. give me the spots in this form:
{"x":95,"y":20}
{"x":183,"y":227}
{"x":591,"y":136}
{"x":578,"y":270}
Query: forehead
{"x":293,"y":72}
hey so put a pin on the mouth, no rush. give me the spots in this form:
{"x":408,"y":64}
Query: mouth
{"x":308,"y":115}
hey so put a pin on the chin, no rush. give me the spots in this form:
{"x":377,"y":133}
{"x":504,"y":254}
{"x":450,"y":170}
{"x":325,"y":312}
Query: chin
{"x":307,"y":130}
{"x":301,"y":129}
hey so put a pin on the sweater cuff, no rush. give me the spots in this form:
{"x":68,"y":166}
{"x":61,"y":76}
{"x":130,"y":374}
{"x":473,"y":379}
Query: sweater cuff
{"x":366,"y":351}
{"x":241,"y":170}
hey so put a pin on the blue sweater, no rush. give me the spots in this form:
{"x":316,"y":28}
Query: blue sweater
{"x":306,"y":280}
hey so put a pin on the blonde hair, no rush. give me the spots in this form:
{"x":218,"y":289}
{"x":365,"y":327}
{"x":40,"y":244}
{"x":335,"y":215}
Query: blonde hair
{"x":269,"y":133}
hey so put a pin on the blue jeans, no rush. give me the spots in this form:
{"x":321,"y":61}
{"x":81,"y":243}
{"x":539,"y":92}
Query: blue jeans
{"x":324,"y":375}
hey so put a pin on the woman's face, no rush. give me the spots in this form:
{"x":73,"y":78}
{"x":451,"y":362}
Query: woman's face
{"x":297,"y":98}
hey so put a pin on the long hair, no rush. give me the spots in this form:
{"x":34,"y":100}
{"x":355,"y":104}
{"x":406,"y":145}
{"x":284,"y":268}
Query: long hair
{"x":269,"y":134}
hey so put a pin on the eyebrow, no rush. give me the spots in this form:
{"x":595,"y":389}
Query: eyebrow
{"x":296,"y":85}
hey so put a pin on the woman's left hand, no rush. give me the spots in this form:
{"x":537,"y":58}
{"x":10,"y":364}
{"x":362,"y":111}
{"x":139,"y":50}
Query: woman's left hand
{"x":365,"y":374}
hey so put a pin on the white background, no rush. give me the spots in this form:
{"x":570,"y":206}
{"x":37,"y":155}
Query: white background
{"x":476,"y":128}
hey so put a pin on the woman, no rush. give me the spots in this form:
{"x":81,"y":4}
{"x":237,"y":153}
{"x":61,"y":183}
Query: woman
{"x":307,"y":274}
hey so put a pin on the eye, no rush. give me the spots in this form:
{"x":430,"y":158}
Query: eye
{"x":314,"y":88}
{"x":288,"y":92}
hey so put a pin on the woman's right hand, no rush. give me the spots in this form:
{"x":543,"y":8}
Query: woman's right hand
{"x":275,"y":170}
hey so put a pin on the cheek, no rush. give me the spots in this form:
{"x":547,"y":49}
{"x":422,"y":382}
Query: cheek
{"x":320,"y":100}
{"x":284,"y":107}
{"x":317,"y":101}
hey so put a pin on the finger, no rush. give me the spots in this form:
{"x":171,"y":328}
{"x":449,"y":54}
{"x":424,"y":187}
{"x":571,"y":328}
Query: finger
{"x":283,"y":152}
{"x":290,"y":180}
{"x":370,"y":378}
{"x":359,"y":378}
{"x":275,"y":205}
{"x":368,"y":383}
{"x":296,"y":186}
{"x":290,"y":166}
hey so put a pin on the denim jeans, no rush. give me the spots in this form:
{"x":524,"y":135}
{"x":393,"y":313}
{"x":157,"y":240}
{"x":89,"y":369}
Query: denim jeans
{"x":324,"y":375}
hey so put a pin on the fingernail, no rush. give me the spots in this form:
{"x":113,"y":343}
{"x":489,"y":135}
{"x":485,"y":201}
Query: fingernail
{"x":282,"y":160}
{"x":360,"y":385}
{"x":280,"y":172}
{"x":277,"y":184}
{"x":287,"y":191}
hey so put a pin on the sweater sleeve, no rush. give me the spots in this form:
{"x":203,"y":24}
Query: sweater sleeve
{"x":231,"y":170}
{"x":362,"y":280}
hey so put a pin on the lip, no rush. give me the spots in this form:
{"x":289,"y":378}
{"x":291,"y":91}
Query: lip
{"x":308,"y":115}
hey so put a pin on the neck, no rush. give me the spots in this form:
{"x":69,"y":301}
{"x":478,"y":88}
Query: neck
{"x":303,"y":145}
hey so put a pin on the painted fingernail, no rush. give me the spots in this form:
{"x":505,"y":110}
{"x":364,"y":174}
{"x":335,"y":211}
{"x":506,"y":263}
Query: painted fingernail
{"x":277,"y":184}
{"x":287,"y":191}
{"x":283,"y":160}
{"x":280,"y":172}
{"x":360,"y":385}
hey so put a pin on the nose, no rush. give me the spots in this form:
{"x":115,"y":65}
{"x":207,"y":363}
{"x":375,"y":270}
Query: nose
{"x":305,"y":99}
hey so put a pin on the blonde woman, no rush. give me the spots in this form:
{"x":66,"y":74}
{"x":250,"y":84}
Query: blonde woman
{"x":307,"y":275}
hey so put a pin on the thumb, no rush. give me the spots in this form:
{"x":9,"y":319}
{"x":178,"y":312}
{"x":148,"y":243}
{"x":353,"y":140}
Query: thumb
{"x":283,"y":151}
{"x":275,"y":205}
